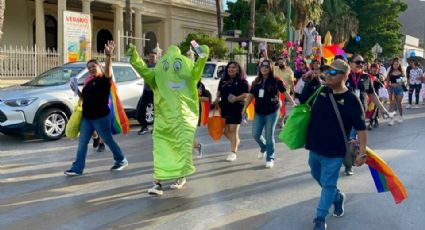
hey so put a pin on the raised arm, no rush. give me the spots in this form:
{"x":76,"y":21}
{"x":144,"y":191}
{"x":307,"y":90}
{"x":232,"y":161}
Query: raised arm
{"x":198,"y":69}
{"x":109,"y":50}
{"x":140,"y":66}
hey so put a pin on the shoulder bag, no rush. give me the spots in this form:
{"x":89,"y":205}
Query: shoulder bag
{"x":352,"y":155}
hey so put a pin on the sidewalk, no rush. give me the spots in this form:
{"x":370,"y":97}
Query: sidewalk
{"x":9,"y":82}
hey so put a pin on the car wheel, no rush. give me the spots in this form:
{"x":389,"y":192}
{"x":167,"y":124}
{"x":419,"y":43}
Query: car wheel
{"x":150,"y":113}
{"x":51,"y":124}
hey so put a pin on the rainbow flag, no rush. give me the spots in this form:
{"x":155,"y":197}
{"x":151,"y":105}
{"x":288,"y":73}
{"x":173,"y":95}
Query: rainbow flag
{"x":384,"y":177}
{"x":119,"y":119}
{"x":205,"y":112}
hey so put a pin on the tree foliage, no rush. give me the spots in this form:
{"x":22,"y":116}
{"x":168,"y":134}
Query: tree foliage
{"x":269,"y":20}
{"x":378,"y":23}
{"x":338,"y":18}
{"x":217,"y":46}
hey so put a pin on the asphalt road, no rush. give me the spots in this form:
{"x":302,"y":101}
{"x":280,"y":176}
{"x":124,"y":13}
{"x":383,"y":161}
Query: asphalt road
{"x":34,"y":193}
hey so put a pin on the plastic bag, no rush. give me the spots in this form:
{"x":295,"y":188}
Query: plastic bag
{"x":73,"y":126}
{"x":215,"y":126}
{"x":383,"y":93}
{"x":294,"y":132}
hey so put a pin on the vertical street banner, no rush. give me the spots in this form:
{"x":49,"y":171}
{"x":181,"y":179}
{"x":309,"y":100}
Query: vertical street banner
{"x":77,"y":36}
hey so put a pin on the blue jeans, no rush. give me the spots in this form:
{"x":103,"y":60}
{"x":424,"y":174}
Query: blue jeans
{"x":103,"y":129}
{"x":268,"y":123}
{"x":325,"y":171}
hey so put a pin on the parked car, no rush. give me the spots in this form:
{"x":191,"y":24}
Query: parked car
{"x":44,"y":104}
{"x":213,"y":71}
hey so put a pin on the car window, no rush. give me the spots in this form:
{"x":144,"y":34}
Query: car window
{"x":220,"y":71}
{"x":124,"y":73}
{"x":209,"y":70}
{"x":83,"y":78}
{"x":56,"y":76}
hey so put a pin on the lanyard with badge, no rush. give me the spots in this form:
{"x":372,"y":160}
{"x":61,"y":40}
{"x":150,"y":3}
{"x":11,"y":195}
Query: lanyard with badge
{"x":356,"y":80}
{"x":261,"y":91}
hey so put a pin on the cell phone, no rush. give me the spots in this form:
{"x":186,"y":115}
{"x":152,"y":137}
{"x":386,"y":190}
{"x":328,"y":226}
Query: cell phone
{"x":197,"y":49}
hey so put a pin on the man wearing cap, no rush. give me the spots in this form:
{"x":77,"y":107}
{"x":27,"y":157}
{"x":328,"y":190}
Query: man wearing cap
{"x":325,"y":137}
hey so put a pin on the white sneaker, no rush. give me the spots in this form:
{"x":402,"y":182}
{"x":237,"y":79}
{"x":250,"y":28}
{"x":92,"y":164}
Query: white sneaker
{"x":391,"y":114}
{"x":400,"y":120}
{"x":156,"y":190}
{"x":178,"y":184}
{"x":416,"y":107}
{"x":269,"y":164}
{"x":408,"y":106}
{"x":391,"y":123}
{"x":231,"y":157}
{"x":261,"y":155}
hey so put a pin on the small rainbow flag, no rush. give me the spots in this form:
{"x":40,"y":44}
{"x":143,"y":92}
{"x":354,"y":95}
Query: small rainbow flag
{"x":384,"y":177}
{"x":119,"y":119}
{"x":205,"y":112}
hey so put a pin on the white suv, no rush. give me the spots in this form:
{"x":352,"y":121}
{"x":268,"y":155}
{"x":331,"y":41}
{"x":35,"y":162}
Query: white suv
{"x":45,"y":103}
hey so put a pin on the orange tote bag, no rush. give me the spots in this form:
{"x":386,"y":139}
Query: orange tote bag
{"x":216,"y":125}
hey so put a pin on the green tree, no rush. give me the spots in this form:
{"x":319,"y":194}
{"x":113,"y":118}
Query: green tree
{"x":269,"y":19}
{"x":378,"y":23}
{"x":238,"y":18}
{"x":217,"y":46}
{"x":338,"y":18}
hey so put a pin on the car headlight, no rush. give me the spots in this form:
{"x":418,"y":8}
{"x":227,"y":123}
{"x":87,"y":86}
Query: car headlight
{"x":20,"y":102}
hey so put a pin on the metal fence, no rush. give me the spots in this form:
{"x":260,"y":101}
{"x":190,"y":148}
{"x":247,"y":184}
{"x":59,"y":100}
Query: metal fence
{"x":25,"y":63}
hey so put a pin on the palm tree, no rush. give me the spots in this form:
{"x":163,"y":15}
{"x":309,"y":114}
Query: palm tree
{"x":251,"y":27}
{"x":2,"y":8}
{"x":218,"y":9}
{"x":339,"y":19}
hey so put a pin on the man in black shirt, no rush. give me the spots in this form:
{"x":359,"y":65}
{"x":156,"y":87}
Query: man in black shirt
{"x":145,"y":99}
{"x":325,"y":138}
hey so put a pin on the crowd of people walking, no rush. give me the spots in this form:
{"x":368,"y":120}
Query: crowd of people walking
{"x":347,"y":97}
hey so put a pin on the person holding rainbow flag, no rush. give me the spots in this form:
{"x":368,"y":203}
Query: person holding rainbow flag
{"x":95,"y":97}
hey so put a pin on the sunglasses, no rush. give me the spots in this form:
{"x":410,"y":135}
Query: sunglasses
{"x":333,"y":72}
{"x":359,"y":62}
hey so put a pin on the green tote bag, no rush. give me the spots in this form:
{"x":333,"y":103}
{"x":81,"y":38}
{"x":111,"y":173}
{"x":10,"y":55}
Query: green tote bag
{"x":294,"y":132}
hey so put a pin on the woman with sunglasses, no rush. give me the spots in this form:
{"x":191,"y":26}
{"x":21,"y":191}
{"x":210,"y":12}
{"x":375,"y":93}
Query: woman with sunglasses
{"x":265,"y":89}
{"x":232,"y":91}
{"x":361,"y":85}
{"x":96,"y":114}
{"x":395,"y":79}
{"x":299,"y":75}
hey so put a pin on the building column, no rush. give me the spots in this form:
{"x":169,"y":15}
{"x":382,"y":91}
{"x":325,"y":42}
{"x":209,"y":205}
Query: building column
{"x":138,"y":30}
{"x":61,"y":9}
{"x":118,"y":28}
{"x":86,"y":6}
{"x":40,"y":31}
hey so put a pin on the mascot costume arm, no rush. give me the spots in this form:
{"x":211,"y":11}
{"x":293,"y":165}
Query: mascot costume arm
{"x":198,"y":69}
{"x":140,"y":66}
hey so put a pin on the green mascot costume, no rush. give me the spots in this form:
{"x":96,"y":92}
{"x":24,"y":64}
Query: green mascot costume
{"x":173,"y":81}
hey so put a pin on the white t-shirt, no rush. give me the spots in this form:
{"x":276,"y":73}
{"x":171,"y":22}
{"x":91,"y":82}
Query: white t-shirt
{"x":415,"y":75}
{"x":383,"y":71}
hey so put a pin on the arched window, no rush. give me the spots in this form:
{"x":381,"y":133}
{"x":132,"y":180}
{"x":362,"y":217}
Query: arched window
{"x":151,"y":43}
{"x":103,"y":36}
{"x":51,"y":27}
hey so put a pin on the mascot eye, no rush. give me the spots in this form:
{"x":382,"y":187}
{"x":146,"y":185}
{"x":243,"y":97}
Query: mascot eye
{"x":165,"y":66}
{"x":177,"y":66}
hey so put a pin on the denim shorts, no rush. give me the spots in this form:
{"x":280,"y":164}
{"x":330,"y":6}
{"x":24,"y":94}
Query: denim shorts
{"x":398,"y":90}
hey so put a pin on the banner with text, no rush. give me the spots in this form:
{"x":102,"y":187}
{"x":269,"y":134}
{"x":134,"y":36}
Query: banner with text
{"x":77,"y":36}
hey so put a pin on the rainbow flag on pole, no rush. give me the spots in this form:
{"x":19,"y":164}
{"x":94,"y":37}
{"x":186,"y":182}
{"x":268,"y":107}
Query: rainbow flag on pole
{"x":384,"y":177}
{"x":119,"y":119}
